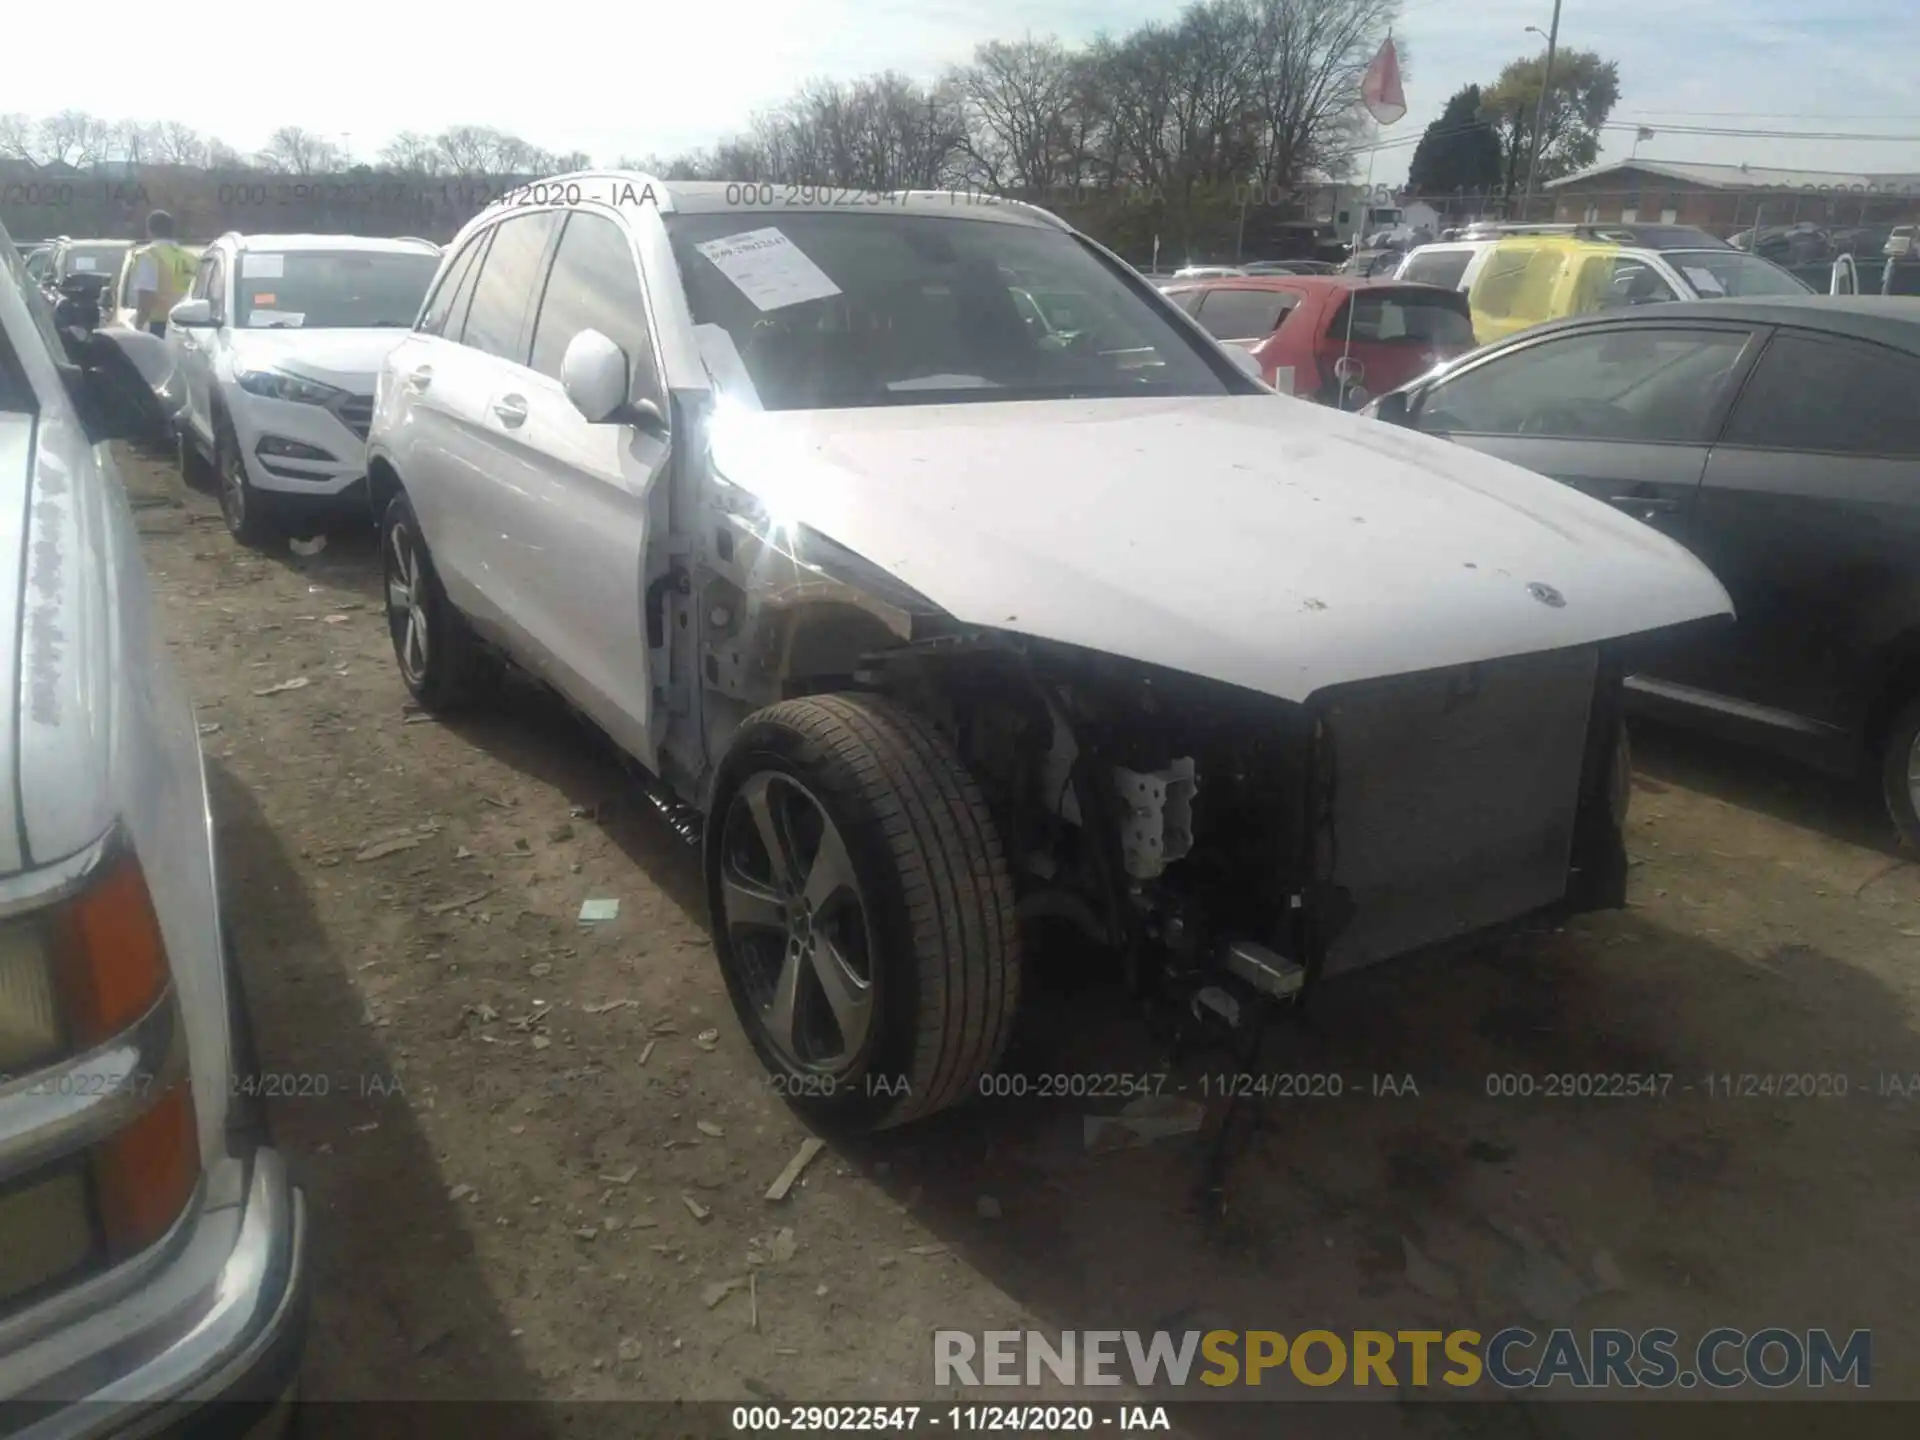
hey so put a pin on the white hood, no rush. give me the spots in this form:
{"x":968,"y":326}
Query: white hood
{"x":1262,"y":541}
{"x":348,"y":358}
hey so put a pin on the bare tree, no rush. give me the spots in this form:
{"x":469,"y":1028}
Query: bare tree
{"x":76,"y":138}
{"x":176,"y":144}
{"x":20,"y":139}
{"x":292,"y":150}
{"x":411,"y":153}
{"x":1019,"y":103}
{"x":1311,"y":57}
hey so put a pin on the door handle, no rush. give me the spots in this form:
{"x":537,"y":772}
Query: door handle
{"x":1645,"y":504}
{"x":420,"y":377}
{"x":511,"y":410}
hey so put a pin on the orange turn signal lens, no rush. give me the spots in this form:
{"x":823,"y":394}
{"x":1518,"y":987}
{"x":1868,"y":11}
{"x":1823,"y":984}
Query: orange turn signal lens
{"x":109,"y":957}
{"x":145,"y":1175}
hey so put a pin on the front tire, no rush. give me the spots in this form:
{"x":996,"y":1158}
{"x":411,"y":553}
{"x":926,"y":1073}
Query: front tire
{"x":442,"y":662}
{"x":862,"y":911}
{"x":246,"y":511}
{"x":1900,"y":772}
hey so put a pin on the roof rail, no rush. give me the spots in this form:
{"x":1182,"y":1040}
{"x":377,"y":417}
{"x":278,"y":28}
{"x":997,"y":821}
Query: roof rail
{"x":419,"y":240}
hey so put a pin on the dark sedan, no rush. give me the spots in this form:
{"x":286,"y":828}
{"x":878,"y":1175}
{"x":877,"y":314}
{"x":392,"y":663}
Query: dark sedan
{"x":1779,"y":439}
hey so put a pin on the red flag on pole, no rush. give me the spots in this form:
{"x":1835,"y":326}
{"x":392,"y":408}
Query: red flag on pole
{"x":1380,"y":88}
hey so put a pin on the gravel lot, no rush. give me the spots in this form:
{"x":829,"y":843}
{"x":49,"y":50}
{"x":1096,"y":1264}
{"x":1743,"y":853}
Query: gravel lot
{"x":537,"y":1150}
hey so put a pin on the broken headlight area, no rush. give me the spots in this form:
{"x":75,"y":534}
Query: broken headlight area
{"x":1233,"y":847}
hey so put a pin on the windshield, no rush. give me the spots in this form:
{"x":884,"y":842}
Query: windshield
{"x":94,"y":259}
{"x":331,"y":289}
{"x":826,"y":311}
{"x":1733,"y":272}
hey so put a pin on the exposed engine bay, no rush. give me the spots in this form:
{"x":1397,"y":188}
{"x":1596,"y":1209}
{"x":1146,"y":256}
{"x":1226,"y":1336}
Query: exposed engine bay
{"x":1235,"y":848}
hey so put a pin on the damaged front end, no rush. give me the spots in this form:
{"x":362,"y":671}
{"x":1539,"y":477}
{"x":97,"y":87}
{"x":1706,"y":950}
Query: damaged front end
{"x":1235,"y":848}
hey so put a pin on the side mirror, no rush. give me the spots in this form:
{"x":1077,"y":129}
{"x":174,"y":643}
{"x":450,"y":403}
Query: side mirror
{"x":126,"y":386}
{"x":192,"y":315}
{"x":1393,"y":407}
{"x":1246,"y":360}
{"x":595,"y":374}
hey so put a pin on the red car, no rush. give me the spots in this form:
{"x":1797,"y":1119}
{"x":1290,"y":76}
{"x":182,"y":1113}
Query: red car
{"x":1338,"y":339}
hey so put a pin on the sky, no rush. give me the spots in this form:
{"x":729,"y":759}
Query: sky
{"x":628,"y":78}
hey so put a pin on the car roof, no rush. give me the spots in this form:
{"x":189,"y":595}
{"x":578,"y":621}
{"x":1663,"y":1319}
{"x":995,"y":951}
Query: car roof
{"x":407,"y":245}
{"x":1316,"y":283}
{"x":1891,"y":320}
{"x":628,"y":189}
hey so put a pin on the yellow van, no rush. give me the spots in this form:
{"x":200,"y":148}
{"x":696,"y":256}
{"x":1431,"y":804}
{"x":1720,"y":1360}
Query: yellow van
{"x":1529,"y":279}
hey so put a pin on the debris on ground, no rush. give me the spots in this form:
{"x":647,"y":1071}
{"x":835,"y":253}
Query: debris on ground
{"x":309,"y":547}
{"x":299,"y":682}
{"x":774,"y":1249}
{"x":707,"y":1039}
{"x":594,"y":911}
{"x":463,"y":1192}
{"x":335,"y":619}
{"x":809,"y":1148}
{"x":1606,"y":1270}
{"x":445,"y":907}
{"x":210,"y":727}
{"x":1425,"y":1275}
{"x":605,"y":1006}
{"x":695,"y":1208}
{"x":927,"y":1249}
{"x":707,"y":1127}
{"x":374,"y":849}
{"x":646,"y":1050}
{"x":1143,"y":1121}
{"x":620,"y":1177}
{"x":629,"y":1349}
{"x":713,"y":1294}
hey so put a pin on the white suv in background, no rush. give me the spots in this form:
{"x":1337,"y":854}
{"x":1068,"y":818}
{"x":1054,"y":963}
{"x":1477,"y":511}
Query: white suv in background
{"x":277,"y":346}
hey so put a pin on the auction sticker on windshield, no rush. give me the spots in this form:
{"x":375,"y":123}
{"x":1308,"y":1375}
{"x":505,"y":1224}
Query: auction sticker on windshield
{"x":769,"y":268}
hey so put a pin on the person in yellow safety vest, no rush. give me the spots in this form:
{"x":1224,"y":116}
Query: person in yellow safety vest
{"x":162,"y":274}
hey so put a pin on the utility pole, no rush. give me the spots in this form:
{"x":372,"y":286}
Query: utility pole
{"x":1540,"y":110}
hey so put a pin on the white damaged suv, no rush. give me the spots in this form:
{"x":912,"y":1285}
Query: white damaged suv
{"x":953,"y":628}
{"x":276,"y":347}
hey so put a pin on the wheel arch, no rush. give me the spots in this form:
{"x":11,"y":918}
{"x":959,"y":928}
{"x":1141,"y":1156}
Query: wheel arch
{"x":383,"y":483}
{"x":1893,"y":680}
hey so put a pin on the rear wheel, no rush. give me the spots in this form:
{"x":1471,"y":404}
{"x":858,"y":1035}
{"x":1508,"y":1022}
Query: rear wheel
{"x":862,"y":910}
{"x":442,"y":662}
{"x":1900,"y":772}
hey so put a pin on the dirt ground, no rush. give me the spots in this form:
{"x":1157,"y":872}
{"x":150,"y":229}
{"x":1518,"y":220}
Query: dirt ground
{"x":536,"y":1150}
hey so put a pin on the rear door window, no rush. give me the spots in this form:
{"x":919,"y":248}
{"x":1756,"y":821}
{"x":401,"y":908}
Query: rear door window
{"x":433,"y":320}
{"x":1244,"y":314}
{"x":508,"y":276}
{"x":1827,"y":395}
{"x":1439,"y":267}
{"x":1406,"y":317}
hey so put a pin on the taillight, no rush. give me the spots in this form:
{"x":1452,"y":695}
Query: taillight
{"x":99,"y":1147}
